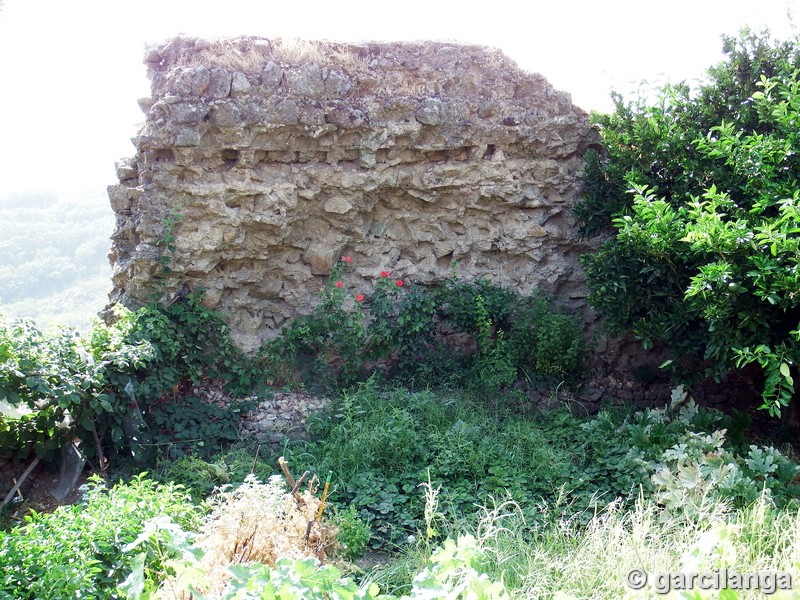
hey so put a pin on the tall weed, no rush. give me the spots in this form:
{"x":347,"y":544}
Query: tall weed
{"x":79,"y":551}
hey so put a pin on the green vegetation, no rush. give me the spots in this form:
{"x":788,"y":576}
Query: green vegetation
{"x":701,"y":191}
{"x":439,"y":462}
{"x":82,"y":551}
{"x":409,"y":465}
{"x":133,"y":386}
{"x":135,"y":538}
{"x":568,"y":559}
{"x":382,"y":444}
{"x":454,"y":332}
{"x":354,"y":533}
{"x":127,"y":388}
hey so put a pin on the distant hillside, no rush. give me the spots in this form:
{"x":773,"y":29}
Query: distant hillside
{"x":53,"y":256}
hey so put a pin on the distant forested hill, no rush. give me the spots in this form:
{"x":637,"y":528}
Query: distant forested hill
{"x":53,"y":256}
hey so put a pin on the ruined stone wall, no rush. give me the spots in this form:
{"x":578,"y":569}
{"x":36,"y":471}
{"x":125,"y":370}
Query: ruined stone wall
{"x":281,"y":157}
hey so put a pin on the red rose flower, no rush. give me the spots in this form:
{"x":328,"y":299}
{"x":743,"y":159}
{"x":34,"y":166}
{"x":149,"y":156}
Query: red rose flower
{"x":349,"y":260}
{"x":384,"y":274}
{"x":399,"y":283}
{"x":359,"y":298}
{"x":338,"y":284}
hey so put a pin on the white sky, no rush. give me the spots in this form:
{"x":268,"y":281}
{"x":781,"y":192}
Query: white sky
{"x":70,"y":72}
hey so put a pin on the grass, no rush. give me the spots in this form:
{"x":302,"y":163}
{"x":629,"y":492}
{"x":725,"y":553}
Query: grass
{"x":244,"y":55}
{"x":381,"y":444}
{"x":541,"y":505}
{"x":566,"y":559}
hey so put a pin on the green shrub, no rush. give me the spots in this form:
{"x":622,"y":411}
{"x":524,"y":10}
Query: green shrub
{"x":516,"y":335}
{"x":79,"y":551}
{"x":402,"y":331}
{"x":702,"y":468}
{"x":125,"y":388}
{"x":354,"y":533}
{"x":61,"y":383}
{"x":226,"y":468}
{"x":701,"y":190}
{"x":681,"y":457}
{"x":192,"y":347}
{"x":325,"y":345}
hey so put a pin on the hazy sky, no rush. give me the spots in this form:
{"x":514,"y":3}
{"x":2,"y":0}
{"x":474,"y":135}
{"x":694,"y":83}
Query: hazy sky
{"x":71,"y":71}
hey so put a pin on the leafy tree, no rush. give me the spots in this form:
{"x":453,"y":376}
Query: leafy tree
{"x":699,"y":190}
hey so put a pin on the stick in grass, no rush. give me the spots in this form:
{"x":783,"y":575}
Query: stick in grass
{"x":22,"y":479}
{"x":290,"y":480}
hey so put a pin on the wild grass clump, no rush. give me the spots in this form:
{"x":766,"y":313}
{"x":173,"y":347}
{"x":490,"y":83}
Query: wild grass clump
{"x":567,"y":559}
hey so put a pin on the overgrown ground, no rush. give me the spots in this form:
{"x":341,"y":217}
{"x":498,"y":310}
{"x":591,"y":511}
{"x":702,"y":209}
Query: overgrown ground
{"x":438,"y":463}
{"x":450,"y":489}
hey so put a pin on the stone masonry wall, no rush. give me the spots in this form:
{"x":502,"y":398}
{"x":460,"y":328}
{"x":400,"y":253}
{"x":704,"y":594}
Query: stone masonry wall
{"x":282,"y":156}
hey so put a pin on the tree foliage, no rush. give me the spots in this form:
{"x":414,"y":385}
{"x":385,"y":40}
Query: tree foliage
{"x":125,"y":388}
{"x":700,"y":190}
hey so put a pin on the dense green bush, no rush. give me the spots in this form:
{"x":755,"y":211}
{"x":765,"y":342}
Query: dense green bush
{"x":381,"y":445}
{"x":127,"y":387}
{"x":324,"y":345}
{"x":407,"y":331}
{"x":353,"y":535}
{"x":61,"y":382}
{"x":226,"y":468}
{"x":80,"y":551}
{"x":701,"y":190}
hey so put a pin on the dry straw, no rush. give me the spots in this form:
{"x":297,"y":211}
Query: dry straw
{"x":259,"y":523}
